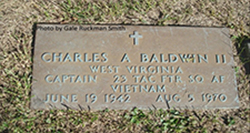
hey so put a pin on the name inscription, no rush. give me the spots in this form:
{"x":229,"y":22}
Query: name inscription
{"x":121,"y":67}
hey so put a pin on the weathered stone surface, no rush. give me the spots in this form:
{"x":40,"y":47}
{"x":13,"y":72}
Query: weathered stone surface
{"x":121,"y":67}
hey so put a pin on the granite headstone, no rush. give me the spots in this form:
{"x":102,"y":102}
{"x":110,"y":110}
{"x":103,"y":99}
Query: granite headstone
{"x":121,"y":67}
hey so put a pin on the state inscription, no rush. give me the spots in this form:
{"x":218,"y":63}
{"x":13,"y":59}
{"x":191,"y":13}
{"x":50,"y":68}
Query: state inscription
{"x":121,"y":67}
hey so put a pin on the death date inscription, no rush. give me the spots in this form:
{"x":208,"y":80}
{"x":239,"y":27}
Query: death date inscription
{"x":125,"y":98}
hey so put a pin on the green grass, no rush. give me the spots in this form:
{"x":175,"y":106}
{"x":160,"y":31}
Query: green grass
{"x":18,"y":17}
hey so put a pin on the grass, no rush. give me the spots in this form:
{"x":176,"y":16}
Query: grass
{"x":18,"y":17}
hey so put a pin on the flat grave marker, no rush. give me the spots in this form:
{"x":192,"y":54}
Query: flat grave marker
{"x":121,"y":67}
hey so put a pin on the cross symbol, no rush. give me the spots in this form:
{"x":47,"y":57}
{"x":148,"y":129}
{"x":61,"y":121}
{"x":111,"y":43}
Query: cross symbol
{"x":135,"y":36}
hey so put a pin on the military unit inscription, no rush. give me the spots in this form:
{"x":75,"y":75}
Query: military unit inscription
{"x":121,"y":67}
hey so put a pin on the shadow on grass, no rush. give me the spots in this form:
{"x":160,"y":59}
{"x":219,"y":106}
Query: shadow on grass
{"x":243,"y":50}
